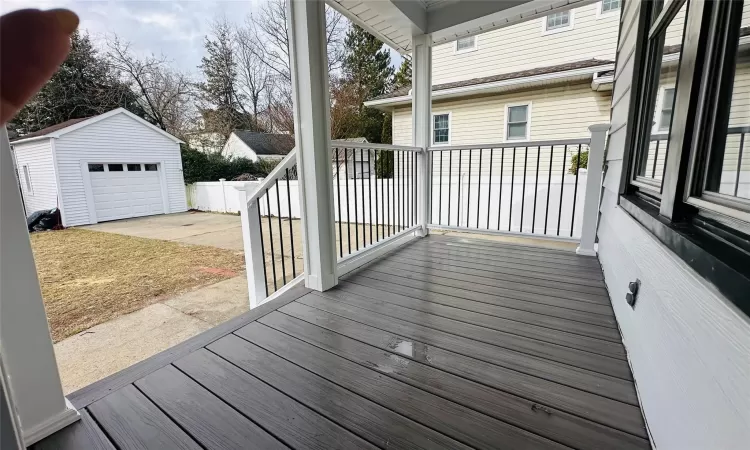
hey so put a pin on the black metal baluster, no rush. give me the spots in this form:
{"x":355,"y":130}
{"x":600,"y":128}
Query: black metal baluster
{"x":291,"y":230}
{"x":388,"y":188}
{"x":354,"y":183}
{"x":348,"y":217}
{"x":369,"y":191}
{"x":458,"y":212}
{"x":281,"y":234}
{"x":536,"y":186}
{"x":375,"y":174}
{"x":549,"y":186}
{"x":512,"y":183}
{"x":575,"y":193}
{"x":489,"y":192}
{"x":739,"y":164}
{"x":338,"y":194}
{"x":362,"y":177}
{"x":523,"y":188}
{"x":270,"y":238}
{"x":500,"y":199}
{"x":263,"y":251}
{"x":479,"y":185}
{"x":403,"y":191}
{"x":468,"y":193}
{"x":414,"y":187}
{"x":562,"y":187}
{"x":656,"y":156}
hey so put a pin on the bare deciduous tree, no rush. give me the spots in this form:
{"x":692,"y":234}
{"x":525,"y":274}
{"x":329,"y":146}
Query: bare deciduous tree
{"x":166,"y":96}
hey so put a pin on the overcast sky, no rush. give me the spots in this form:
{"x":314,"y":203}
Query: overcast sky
{"x":173,"y":28}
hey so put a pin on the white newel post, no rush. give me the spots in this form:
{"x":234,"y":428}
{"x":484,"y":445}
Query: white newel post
{"x":422,"y":121}
{"x":252,"y":240}
{"x":593,"y":189}
{"x":28,"y":358}
{"x":312,"y":128}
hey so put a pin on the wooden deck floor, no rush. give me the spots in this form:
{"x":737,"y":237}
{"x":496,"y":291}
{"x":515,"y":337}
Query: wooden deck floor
{"x":444,"y":343}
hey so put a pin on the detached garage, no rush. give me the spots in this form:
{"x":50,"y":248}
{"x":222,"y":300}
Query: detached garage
{"x":108,"y":167}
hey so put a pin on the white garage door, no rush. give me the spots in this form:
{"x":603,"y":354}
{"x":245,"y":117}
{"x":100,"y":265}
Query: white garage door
{"x":124,"y":190}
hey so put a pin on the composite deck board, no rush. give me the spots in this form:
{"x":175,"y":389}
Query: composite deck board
{"x":616,"y":414}
{"x":367,"y":419}
{"x":571,"y":259}
{"x":473,"y":268}
{"x":560,"y":373}
{"x":554,"y":352}
{"x":457,"y":421}
{"x":501,"y":282}
{"x":536,"y":269}
{"x":438,"y":344}
{"x":285,"y":418}
{"x":213,"y":423}
{"x":550,"y":335}
{"x":85,"y":433}
{"x":557,"y":425}
{"x":535,"y":314}
{"x":134,"y":422}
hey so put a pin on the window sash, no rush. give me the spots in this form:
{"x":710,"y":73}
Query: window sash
{"x":610,"y":5}
{"x":513,"y":126}
{"x":27,"y":177}
{"x":558,"y":20}
{"x":466,"y":43}
{"x":441,"y":129}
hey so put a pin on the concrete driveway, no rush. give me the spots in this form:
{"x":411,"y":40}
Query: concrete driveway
{"x":216,"y":230}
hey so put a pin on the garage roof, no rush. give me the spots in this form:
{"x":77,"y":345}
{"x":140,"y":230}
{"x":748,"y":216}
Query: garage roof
{"x":266,"y":143}
{"x":55,"y":131}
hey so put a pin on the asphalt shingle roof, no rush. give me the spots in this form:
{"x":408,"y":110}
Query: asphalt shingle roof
{"x":266,"y":143}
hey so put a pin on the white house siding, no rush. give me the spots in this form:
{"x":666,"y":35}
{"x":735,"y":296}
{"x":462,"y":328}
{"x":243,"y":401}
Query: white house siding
{"x":524,"y":46}
{"x":557,"y":112}
{"x":687,"y":344}
{"x":116,"y":139}
{"x":235,"y":148}
{"x":37,"y":156}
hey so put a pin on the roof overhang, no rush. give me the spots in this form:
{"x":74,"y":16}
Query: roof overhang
{"x":582,"y":74}
{"x":395,"y":21}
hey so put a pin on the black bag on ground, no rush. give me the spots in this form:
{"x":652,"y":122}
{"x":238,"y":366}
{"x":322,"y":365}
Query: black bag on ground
{"x":45,"y":221}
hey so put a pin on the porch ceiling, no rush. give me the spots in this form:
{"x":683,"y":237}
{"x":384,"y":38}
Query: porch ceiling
{"x":395,"y":21}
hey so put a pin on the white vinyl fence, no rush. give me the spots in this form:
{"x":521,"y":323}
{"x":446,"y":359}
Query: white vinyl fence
{"x":457,"y":201}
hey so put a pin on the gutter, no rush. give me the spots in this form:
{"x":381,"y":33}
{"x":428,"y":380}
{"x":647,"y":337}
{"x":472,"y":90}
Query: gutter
{"x":489,"y":87}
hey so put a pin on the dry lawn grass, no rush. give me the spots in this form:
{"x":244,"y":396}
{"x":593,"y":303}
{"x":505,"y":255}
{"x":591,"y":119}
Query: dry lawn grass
{"x":90,"y":277}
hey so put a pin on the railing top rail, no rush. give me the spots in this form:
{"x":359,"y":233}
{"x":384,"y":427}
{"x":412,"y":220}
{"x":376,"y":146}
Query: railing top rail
{"x":369,"y":146}
{"x":513,"y":144}
{"x":741,"y":129}
{"x":279,"y":171}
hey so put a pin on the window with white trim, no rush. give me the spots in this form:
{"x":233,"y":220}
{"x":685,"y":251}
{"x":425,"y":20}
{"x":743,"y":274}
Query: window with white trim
{"x":557,"y":21}
{"x":667,"y":104}
{"x":441,"y":129}
{"x":466,"y":44}
{"x":517,"y":127}
{"x":27,"y":178}
{"x":609,"y":5}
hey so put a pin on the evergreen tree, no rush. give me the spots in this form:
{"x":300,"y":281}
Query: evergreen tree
{"x":84,"y":86}
{"x":402,"y":78}
{"x":367,"y":67}
{"x":222,"y":113}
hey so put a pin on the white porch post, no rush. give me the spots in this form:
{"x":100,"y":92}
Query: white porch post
{"x":252,"y":240}
{"x":593,"y":189}
{"x":312,"y":128}
{"x":422,"y":121}
{"x":28,"y":358}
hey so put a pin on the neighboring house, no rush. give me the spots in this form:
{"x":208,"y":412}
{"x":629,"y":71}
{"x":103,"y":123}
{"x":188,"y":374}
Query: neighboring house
{"x":352,"y":163}
{"x":107,"y":167}
{"x":255,"y":146}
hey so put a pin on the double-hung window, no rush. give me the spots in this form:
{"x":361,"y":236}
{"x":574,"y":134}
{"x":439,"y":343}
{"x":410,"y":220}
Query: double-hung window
{"x":688,"y":169}
{"x":441,"y":129}
{"x":517,"y":123}
{"x":559,"y":21}
{"x":609,"y":6}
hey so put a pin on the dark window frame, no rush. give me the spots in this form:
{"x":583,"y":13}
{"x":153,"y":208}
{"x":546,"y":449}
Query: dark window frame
{"x":704,"y":233}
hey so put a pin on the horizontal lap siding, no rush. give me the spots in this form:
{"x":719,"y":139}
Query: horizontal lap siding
{"x":116,"y":139}
{"x":686,"y":344}
{"x":522,"y":47}
{"x":557,"y":112}
{"x":38,"y":157}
